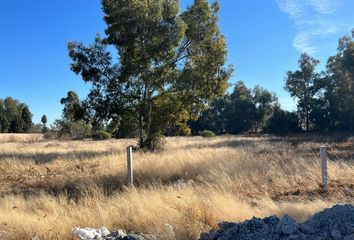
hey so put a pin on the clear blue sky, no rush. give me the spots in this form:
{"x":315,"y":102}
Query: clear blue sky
{"x":265,"y":38}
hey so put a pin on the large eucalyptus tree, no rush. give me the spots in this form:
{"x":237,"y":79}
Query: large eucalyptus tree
{"x":156,"y":63}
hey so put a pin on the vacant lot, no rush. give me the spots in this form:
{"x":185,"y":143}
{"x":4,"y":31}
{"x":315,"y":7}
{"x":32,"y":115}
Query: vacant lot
{"x":47,"y":188}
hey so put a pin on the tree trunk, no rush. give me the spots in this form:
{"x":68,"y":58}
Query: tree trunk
{"x":141,"y":131}
{"x":149,"y":119}
{"x":146,"y":119}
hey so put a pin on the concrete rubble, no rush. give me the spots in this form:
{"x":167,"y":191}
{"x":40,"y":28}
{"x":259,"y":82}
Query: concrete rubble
{"x":336,"y":223}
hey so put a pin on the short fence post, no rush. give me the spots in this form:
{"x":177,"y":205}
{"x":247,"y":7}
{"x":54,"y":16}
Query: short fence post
{"x":324,"y":173}
{"x":130,"y":166}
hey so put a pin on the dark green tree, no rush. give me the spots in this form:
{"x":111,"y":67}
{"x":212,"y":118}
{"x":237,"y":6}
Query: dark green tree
{"x":302,"y":85}
{"x":265,"y":102}
{"x":15,"y":117}
{"x":25,"y":120}
{"x":12,"y":114}
{"x":283,"y":122}
{"x":240,"y":111}
{"x":214,"y":118}
{"x":339,"y":87}
{"x":3,"y":120}
{"x":73,"y":109}
{"x":74,"y":122}
{"x":44,"y":121}
{"x":164,"y":54}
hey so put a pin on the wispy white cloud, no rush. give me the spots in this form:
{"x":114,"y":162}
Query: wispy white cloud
{"x":302,"y":42}
{"x":295,"y":9}
{"x":325,"y":6}
{"x":313,"y":19}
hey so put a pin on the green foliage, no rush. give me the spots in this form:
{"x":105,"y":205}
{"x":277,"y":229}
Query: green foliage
{"x":102,"y":135}
{"x":51,"y":135}
{"x":73,"y":109}
{"x":73,"y":124}
{"x":15,"y":117}
{"x":325,"y":100}
{"x":73,"y":130}
{"x":208,"y":134}
{"x":80,"y":130}
{"x":303,"y":85}
{"x":213,"y":118}
{"x":264,"y":102}
{"x":36,"y":128}
{"x":154,"y":142}
{"x":283,"y":122}
{"x":127,"y":126}
{"x":339,"y":86}
{"x":170,"y":63}
{"x":25,"y":122}
{"x":243,"y":110}
{"x":170,"y":112}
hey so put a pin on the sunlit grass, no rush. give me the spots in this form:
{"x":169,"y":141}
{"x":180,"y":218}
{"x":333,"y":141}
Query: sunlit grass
{"x":48,"y":188}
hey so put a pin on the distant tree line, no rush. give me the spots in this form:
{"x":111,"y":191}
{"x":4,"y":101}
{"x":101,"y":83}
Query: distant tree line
{"x":325,"y":100}
{"x":15,"y":117}
{"x":246,"y":110}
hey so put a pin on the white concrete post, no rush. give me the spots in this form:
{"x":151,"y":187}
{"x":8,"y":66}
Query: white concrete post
{"x":324,"y":173}
{"x":130,"y":166}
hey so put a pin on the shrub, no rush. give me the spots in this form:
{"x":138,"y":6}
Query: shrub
{"x":80,"y":130}
{"x":155,"y":142}
{"x":68,"y":130}
{"x":101,"y":135}
{"x":208,"y":134}
{"x":50,"y":135}
{"x":36,"y":128}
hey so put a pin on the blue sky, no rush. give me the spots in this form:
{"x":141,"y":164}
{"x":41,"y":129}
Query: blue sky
{"x":265,"y":39}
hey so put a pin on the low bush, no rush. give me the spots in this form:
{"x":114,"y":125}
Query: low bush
{"x":208,"y":134}
{"x":79,"y":130}
{"x":101,"y":135}
{"x":50,"y":135}
{"x":155,"y":142}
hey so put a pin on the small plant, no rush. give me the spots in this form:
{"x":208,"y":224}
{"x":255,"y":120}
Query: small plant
{"x":101,"y":135}
{"x":208,"y":134}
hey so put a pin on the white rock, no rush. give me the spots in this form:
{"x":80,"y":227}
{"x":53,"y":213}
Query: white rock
{"x":90,"y":233}
{"x":170,"y":232}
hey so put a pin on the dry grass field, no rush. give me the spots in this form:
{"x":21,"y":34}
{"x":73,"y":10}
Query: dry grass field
{"x":18,"y":137}
{"x":47,"y":188}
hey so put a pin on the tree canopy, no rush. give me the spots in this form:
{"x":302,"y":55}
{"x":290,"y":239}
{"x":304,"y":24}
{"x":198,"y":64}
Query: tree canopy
{"x":15,"y":117}
{"x":166,"y":57}
{"x":244,"y":110}
{"x":302,"y":84}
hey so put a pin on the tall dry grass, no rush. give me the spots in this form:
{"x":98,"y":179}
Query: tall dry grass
{"x":20,"y":137}
{"x":48,"y":188}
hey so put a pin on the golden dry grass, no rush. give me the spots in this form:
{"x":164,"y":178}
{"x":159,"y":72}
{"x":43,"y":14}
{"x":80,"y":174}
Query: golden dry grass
{"x":18,"y":137}
{"x":47,"y":188}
